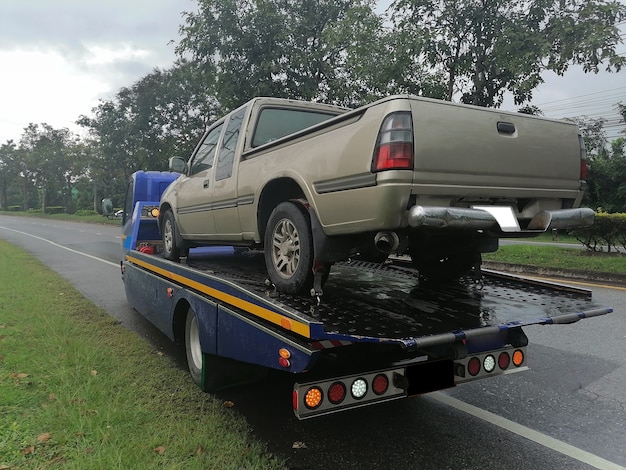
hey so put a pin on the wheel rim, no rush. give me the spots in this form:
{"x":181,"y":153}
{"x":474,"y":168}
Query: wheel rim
{"x":168,"y":236}
{"x":286,"y":248}
{"x":194,"y":344}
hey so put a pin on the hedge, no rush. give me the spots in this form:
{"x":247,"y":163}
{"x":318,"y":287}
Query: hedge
{"x":608,"y":231}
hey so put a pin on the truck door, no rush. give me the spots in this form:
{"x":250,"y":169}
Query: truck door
{"x":225,"y":202}
{"x":195,"y":192}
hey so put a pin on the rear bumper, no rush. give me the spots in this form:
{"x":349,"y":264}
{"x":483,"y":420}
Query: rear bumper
{"x":482,"y":219}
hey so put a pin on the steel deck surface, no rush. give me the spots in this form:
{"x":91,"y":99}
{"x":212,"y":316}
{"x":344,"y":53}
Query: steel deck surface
{"x":389,"y":300}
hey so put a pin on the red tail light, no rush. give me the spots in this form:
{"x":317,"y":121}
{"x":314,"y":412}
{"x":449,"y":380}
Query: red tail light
{"x":394,"y":146}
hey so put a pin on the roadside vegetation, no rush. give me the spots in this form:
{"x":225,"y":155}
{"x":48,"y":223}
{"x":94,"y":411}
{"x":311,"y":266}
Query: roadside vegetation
{"x":80,"y":391}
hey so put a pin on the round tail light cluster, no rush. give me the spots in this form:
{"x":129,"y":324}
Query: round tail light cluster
{"x":489,"y":363}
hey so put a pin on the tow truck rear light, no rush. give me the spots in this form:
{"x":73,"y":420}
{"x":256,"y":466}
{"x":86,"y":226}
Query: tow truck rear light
{"x":473,"y":366}
{"x":394,"y":145}
{"x":380,"y":384}
{"x":489,"y":363}
{"x":358,"y":389}
{"x":518,"y":358}
{"x":337,"y":393}
{"x":503,"y":361}
{"x":313,"y":398}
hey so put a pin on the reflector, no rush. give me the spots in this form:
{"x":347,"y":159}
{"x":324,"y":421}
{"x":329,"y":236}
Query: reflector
{"x":358,"y":388}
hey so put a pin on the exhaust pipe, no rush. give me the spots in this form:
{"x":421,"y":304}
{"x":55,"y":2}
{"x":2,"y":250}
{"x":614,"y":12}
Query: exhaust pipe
{"x":387,"y":242}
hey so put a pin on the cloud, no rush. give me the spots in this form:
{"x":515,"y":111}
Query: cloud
{"x":59,"y":57}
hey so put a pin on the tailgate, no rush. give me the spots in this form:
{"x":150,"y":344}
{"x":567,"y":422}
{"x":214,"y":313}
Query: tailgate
{"x":460,"y":145}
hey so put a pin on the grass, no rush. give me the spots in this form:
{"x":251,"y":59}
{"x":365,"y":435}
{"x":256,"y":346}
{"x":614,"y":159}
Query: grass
{"x":79,"y":391}
{"x":559,"y":258}
{"x":92,"y":219}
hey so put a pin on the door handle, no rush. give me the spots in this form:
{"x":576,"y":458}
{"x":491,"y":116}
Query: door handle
{"x":205,"y":184}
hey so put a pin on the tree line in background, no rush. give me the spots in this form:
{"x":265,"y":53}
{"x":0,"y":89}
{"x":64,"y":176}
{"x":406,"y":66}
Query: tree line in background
{"x":334,"y":51}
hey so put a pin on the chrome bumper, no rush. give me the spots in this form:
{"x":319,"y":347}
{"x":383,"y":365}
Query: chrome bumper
{"x":479,"y":219}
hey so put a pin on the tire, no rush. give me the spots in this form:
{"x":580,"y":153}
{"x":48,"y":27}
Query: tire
{"x":193,"y":350}
{"x":289,"y":249}
{"x":169,"y":234}
{"x":213,"y":373}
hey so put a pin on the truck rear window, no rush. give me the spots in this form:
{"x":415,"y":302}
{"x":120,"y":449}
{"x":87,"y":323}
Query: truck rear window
{"x":274,"y":123}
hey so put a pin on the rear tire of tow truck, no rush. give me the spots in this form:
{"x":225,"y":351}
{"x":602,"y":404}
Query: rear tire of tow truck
{"x":289,"y":249}
{"x":213,"y":373}
{"x":171,"y":250}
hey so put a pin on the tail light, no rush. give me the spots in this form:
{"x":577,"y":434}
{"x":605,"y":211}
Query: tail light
{"x":394,"y":145}
{"x":583,"y":158}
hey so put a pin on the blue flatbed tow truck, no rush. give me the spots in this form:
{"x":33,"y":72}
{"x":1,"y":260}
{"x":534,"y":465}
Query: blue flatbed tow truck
{"x":378,"y":333}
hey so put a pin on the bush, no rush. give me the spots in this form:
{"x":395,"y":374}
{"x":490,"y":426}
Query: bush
{"x":608,"y":230}
{"x":55,"y":210}
{"x":15,"y":208}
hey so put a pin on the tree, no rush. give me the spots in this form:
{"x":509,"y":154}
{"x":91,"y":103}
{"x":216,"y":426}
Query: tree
{"x":606,"y":175}
{"x":9,"y":171}
{"x":482,"y":48}
{"x":307,"y":49}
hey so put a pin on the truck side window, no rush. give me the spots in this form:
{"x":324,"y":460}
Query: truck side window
{"x":203,"y":160}
{"x":274,"y":123}
{"x":226,"y":156}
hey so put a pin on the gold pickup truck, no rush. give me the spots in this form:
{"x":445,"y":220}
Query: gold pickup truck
{"x":313,"y":184}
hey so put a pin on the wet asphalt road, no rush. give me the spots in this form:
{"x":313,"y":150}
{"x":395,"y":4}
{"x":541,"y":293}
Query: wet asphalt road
{"x":567,"y":412}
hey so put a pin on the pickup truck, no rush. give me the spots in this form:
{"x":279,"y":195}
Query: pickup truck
{"x":313,"y":184}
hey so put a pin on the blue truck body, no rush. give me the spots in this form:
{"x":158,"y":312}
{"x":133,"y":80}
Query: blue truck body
{"x":377,"y":334}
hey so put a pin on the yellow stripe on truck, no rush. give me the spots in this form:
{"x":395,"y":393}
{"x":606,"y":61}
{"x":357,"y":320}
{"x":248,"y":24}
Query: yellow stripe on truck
{"x":289,"y":324}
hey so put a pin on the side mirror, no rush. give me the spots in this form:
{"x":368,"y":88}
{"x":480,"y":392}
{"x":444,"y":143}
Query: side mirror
{"x":178,"y":165}
{"x":107,"y":207}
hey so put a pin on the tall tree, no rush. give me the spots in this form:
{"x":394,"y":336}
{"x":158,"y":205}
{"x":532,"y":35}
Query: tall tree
{"x":482,"y":48}
{"x":308,"y":49}
{"x":9,"y":171}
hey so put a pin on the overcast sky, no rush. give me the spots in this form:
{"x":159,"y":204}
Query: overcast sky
{"x":59,"y":57}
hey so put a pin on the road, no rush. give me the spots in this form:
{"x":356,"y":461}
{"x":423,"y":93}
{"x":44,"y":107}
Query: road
{"x":567,"y":412}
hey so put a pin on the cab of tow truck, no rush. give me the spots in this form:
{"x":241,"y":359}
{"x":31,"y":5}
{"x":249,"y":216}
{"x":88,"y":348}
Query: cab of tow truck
{"x":141,"y":206}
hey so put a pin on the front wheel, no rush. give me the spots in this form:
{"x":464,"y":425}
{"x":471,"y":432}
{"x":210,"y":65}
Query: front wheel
{"x":289,"y":249}
{"x":169,"y":233}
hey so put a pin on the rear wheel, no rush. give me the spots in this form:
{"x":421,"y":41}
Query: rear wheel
{"x":289,"y":249}
{"x":210,"y":372}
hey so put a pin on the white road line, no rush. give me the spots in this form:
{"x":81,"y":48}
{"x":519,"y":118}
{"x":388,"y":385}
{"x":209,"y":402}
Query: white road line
{"x":61,"y":246}
{"x":530,"y":434}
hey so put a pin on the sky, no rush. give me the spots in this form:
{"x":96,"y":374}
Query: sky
{"x":60,"y":57}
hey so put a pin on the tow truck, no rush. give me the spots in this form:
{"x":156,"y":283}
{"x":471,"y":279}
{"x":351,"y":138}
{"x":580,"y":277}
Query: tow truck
{"x":378,"y":333}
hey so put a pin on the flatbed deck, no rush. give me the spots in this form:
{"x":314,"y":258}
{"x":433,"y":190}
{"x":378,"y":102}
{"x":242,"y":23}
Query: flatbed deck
{"x":366,"y":302}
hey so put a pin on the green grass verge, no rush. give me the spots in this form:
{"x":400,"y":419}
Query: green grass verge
{"x":92,"y":219}
{"x":559,"y":258}
{"x":79,"y":391}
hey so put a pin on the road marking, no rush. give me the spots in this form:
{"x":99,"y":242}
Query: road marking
{"x":530,"y":434}
{"x":61,"y":246}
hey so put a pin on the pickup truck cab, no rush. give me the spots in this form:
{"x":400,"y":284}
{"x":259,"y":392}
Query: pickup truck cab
{"x":314,"y":184}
